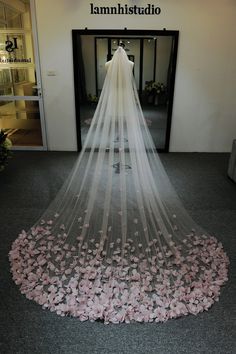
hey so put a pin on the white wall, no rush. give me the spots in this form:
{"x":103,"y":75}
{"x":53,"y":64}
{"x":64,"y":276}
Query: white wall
{"x":204,"y":112}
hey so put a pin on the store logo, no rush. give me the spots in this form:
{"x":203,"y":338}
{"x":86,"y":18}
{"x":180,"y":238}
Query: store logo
{"x":125,"y":9}
{"x":11,"y":45}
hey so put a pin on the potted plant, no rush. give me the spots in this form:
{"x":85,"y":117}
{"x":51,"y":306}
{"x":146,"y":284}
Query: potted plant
{"x":155,"y":91}
{"x":5,"y":147}
{"x":92,"y":99}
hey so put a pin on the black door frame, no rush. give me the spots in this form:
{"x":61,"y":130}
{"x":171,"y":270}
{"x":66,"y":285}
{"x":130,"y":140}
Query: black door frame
{"x":76,"y":33}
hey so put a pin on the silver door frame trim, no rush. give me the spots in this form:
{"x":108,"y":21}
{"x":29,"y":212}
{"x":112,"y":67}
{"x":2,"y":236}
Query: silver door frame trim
{"x":38,"y":71}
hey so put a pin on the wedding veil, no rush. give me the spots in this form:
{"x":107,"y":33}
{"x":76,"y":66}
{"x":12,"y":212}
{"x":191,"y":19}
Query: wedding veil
{"x":116,"y":244}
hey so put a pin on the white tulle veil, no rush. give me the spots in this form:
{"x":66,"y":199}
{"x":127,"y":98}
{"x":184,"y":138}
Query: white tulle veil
{"x":116,"y":244}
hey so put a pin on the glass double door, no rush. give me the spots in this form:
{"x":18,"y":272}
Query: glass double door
{"x":21,"y":104}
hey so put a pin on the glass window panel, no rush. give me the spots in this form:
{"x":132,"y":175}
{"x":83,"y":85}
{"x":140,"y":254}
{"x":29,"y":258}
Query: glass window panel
{"x":13,"y":18}
{"x":21,"y":120}
{"x":2,"y":12}
{"x":18,"y":16}
{"x":16,"y":48}
{"x":2,"y":44}
{"x":148,"y":60}
{"x":5,"y":83}
{"x":19,"y":75}
{"x":18,"y":82}
{"x":102,"y":51}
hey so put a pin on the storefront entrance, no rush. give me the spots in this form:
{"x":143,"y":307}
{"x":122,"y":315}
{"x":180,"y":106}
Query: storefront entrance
{"x":21,"y":103}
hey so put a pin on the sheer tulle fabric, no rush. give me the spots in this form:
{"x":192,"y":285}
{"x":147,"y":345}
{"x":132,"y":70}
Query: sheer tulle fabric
{"x":116,"y":244}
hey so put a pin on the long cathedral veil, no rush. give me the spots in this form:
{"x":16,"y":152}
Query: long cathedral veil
{"x":116,"y":244}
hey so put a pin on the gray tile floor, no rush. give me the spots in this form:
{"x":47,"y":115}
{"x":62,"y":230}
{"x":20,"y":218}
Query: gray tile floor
{"x":156,"y":118}
{"x":30,"y":182}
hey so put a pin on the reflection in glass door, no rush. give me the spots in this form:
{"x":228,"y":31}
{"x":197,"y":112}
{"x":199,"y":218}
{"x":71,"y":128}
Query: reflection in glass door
{"x":21,"y":106}
{"x":105,"y":48}
{"x":132,"y":48}
{"x":151,"y":57}
{"x":154,"y":54}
